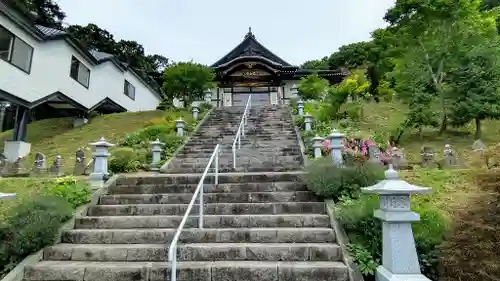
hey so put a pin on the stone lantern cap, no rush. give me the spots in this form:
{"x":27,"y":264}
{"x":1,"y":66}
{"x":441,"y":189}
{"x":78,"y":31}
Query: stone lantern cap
{"x":101,"y":143}
{"x":7,"y":195}
{"x":157,"y":142}
{"x":335,"y":134}
{"x":196,"y":109}
{"x":180,"y":121}
{"x":300,"y":102}
{"x":393,"y":185}
{"x":308,"y":117}
{"x":317,"y":139}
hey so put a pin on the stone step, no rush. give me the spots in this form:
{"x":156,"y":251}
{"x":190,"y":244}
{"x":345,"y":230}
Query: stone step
{"x":163,"y":179}
{"x":185,"y":198}
{"x":228,"y":150}
{"x":195,"y":252}
{"x":209,"y":209}
{"x":209,"y":188}
{"x":196,"y":235}
{"x":204,"y":155}
{"x":239,"y":168}
{"x":187,"y":271}
{"x":209,"y":221}
{"x":248,"y":162}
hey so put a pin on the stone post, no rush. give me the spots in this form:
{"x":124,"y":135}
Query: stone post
{"x":399,"y":254}
{"x":308,"y":119}
{"x":317,"y":146}
{"x":337,"y":147}
{"x":179,"y":124}
{"x":208,"y":96}
{"x":196,"y":110}
{"x":156,"y":149}
{"x":300,"y":107}
{"x":101,"y":154}
{"x":3,"y":107}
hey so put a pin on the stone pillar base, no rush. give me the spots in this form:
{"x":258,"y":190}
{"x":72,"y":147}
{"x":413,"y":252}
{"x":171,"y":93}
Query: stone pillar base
{"x":385,"y":275}
{"x":15,"y":149}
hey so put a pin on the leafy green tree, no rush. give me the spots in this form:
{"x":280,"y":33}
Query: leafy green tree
{"x":44,"y":12}
{"x":321,"y":64}
{"x":187,"y":81}
{"x":312,"y":87}
{"x":476,"y":93}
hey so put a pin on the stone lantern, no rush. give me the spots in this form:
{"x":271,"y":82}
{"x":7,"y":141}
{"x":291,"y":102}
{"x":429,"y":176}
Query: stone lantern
{"x":101,"y":155}
{"x":317,"y":146}
{"x":399,"y":254}
{"x":180,"y":124}
{"x":337,"y":147}
{"x":308,"y":119}
{"x":300,"y":107}
{"x":156,"y":150}
{"x":196,"y":110}
{"x":208,"y":96}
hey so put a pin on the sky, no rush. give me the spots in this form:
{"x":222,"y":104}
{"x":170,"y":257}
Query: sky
{"x":206,"y":30}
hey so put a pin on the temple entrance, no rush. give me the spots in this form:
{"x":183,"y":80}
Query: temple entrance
{"x":258,"y":99}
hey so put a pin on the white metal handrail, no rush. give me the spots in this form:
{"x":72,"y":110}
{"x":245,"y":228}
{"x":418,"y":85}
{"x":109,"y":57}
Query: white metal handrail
{"x":241,"y":129}
{"x":172,"y":250}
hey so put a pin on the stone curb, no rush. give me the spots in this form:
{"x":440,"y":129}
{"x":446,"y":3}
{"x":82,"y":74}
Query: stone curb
{"x":343,"y":240}
{"x":17,"y":273}
{"x":164,"y":167}
{"x":305,"y":161}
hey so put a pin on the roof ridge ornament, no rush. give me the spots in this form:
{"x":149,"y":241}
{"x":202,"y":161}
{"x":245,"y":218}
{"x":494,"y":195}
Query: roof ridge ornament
{"x":249,"y":34}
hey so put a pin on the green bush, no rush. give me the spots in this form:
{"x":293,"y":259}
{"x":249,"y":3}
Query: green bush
{"x":328,"y":181}
{"x":29,"y":227}
{"x":76,"y":193}
{"x":205,"y":106}
{"x":124,"y":160}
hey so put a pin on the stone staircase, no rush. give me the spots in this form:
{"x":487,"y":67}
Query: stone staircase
{"x":270,"y":143}
{"x":259,"y":227}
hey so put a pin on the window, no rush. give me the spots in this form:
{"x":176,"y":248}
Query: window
{"x":15,"y":50}
{"x":79,"y":72}
{"x":129,"y":90}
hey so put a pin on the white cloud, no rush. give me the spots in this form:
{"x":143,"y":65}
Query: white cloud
{"x":295,"y":30}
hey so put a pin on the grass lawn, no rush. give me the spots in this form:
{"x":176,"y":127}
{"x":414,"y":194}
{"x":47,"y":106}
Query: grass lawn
{"x":55,"y":137}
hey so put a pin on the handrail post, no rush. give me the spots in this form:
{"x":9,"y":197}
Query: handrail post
{"x":234,"y":157}
{"x":200,"y":219}
{"x":217,"y":167}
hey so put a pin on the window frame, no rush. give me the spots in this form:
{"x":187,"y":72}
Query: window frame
{"x":80,"y":65}
{"x":13,"y":40}
{"x":126,"y":89}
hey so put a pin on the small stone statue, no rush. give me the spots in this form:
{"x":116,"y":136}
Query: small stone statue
{"x":427,"y":157}
{"x":398,"y":158}
{"x":39,"y":165}
{"x":79,"y":163}
{"x":478,"y":146}
{"x":56,"y":168}
{"x":450,"y":158}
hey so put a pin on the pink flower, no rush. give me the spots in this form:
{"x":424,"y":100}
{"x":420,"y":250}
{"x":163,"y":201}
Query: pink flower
{"x":327,"y":144}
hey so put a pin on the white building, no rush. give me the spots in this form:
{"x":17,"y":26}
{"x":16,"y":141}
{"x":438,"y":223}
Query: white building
{"x":46,"y":73}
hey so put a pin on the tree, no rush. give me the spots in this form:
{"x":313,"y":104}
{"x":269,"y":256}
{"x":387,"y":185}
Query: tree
{"x":93,"y":37}
{"x":45,"y":12}
{"x":312,"y":87}
{"x":148,"y":66}
{"x":321,"y":64}
{"x":476,"y":93}
{"x":187,"y":81}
